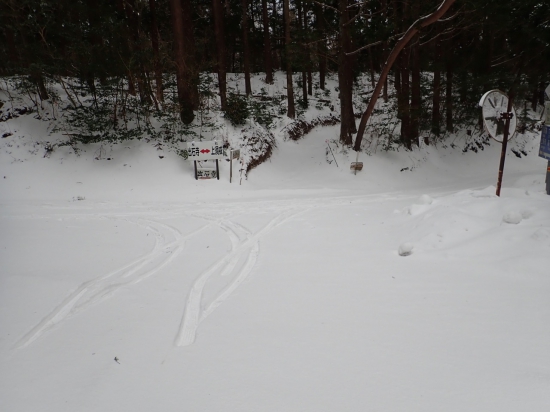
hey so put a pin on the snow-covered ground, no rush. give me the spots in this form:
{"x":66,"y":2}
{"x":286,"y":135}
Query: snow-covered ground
{"x":126,"y":285}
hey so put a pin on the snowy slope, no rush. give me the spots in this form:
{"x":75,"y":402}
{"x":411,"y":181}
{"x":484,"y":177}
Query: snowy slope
{"x":284,"y":291}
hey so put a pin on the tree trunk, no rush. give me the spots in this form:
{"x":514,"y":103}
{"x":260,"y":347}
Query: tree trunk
{"x":345,"y":81}
{"x":246,"y":46}
{"x":189,"y":53}
{"x":436,"y":94}
{"x":267,"y":45}
{"x":402,"y":42}
{"x":220,"y":48}
{"x":289,"y":87}
{"x":304,"y":89}
{"x":449,"y":93}
{"x":405,"y":95}
{"x":302,"y":22}
{"x":183,"y":74}
{"x":321,"y":46}
{"x":138,"y":71}
{"x":278,"y":35}
{"x":415,"y":94}
{"x":156,"y":54}
{"x":38,"y":79}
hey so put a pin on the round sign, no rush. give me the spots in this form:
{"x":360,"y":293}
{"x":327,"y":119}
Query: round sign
{"x":494,"y":105}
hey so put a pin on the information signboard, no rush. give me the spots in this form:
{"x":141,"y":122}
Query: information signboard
{"x":211,"y":150}
{"x":544,"y":150}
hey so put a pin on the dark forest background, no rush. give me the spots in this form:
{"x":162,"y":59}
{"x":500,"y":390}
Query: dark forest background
{"x":140,"y":49}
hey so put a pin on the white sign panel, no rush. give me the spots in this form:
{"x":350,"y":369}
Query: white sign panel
{"x":205,"y":150}
{"x":547,"y":93}
{"x":204,"y":173}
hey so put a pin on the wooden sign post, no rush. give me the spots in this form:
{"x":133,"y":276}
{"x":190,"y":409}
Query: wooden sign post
{"x":233,"y":154}
{"x":212,"y":150}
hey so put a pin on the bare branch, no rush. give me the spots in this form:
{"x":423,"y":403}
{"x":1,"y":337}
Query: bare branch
{"x":315,"y":41}
{"x":409,"y":34}
{"x":359,"y":4}
{"x":444,"y":32}
{"x":324,"y":5}
{"x":376,"y":43}
{"x":507,"y":61}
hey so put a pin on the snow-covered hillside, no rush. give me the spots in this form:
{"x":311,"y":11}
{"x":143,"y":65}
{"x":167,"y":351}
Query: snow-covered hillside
{"x":127,"y":285}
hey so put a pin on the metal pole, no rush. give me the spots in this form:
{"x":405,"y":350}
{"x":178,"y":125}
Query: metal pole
{"x":217,"y":170}
{"x":196,"y":177}
{"x":508,"y":115}
{"x":230,"y":166}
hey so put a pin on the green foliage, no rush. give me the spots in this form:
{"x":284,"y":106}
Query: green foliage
{"x":263,"y":112}
{"x":237,"y":110}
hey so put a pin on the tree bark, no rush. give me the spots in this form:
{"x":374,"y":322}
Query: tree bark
{"x":189,"y":53}
{"x":405,"y":95}
{"x":291,"y":112}
{"x":321,"y":46}
{"x":267,"y":45}
{"x":415,"y":94}
{"x":246,"y":46}
{"x":436,"y":92}
{"x":301,"y":20}
{"x":220,"y":47}
{"x":402,"y":42}
{"x":449,"y":92}
{"x":183,"y":73}
{"x":156,"y":54}
{"x":139,"y":71}
{"x":345,"y":80}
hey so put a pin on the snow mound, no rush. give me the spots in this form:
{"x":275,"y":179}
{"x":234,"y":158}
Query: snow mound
{"x":512,"y":218}
{"x":405,"y":249}
{"x":454,"y":224}
{"x":425,"y":200}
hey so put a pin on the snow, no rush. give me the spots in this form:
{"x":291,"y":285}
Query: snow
{"x":409,"y":286}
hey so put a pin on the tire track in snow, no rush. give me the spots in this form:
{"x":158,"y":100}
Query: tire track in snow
{"x":94,"y":290}
{"x":192,"y":315}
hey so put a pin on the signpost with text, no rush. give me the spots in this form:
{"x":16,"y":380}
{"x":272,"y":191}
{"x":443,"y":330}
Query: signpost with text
{"x":211,"y":150}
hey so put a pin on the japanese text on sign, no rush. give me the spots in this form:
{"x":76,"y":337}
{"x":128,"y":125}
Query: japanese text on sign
{"x":205,"y":150}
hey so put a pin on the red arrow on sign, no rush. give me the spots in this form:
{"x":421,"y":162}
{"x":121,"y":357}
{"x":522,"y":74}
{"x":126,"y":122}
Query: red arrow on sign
{"x":205,"y":151}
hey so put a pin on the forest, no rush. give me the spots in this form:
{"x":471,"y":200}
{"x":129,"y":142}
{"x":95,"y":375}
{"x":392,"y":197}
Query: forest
{"x":122,"y":63}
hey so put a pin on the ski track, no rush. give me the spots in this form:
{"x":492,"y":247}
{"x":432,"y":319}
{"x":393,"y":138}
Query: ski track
{"x":169,"y":243}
